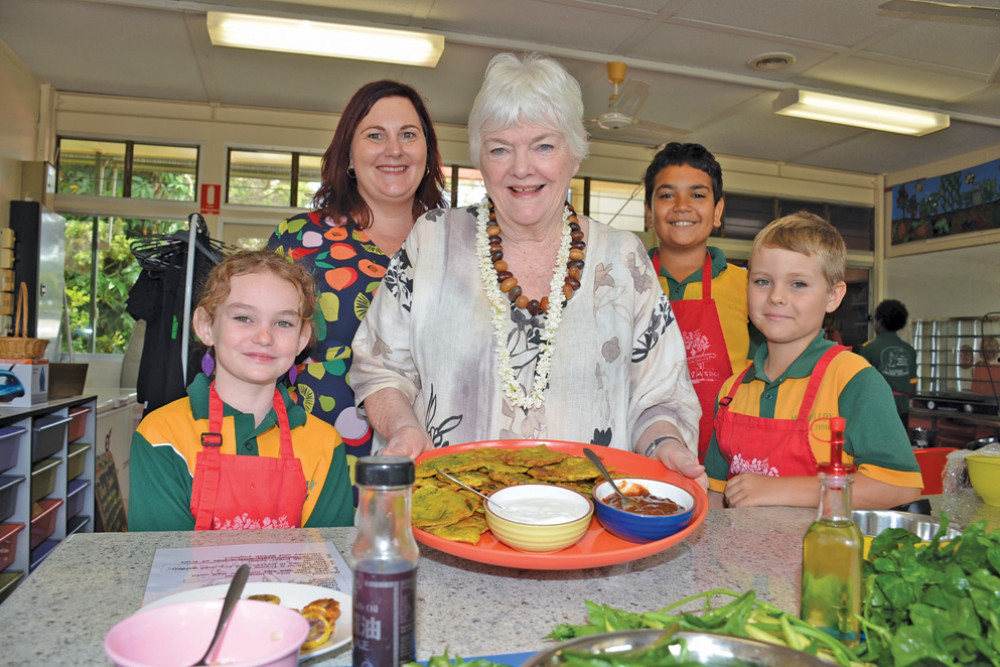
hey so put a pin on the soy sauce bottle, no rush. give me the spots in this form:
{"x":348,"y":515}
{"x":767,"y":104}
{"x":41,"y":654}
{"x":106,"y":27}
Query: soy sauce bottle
{"x":831,"y":550}
{"x":385,"y":571}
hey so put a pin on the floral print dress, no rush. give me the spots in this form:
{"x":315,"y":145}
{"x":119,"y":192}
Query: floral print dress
{"x":348,"y":267}
{"x":618,"y":364}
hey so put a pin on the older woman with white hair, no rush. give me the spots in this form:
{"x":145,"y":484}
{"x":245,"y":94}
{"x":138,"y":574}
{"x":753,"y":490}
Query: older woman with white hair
{"x":518,"y":318}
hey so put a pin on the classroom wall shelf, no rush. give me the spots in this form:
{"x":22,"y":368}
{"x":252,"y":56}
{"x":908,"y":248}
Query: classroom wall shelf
{"x":46,"y":481}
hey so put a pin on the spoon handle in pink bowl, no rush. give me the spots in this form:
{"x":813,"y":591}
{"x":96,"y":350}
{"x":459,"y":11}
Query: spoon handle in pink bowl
{"x":232,"y":597}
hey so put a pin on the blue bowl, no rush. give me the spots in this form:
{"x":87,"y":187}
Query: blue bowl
{"x":642,"y":528}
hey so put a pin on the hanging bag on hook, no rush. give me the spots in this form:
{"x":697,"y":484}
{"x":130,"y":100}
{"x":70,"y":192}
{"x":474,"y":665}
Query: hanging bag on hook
{"x":20,"y":346}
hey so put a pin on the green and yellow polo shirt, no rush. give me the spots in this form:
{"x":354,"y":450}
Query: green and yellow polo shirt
{"x":874,"y":440}
{"x":166,"y":445}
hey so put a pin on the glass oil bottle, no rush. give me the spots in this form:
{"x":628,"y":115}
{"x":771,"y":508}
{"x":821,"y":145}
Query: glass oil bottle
{"x":831,"y":550}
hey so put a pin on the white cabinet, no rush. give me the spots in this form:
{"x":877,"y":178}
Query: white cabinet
{"x":48,"y":484}
{"x":115,"y":425}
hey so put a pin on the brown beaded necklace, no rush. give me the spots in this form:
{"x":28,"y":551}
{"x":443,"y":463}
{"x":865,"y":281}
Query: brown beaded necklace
{"x":508,"y":283}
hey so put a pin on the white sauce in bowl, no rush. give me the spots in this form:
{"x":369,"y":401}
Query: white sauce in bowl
{"x":543,"y":512}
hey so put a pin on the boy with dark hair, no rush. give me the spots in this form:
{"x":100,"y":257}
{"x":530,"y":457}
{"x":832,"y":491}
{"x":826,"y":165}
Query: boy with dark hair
{"x":684,"y":203}
{"x":893,"y":357}
{"x":771,"y":423}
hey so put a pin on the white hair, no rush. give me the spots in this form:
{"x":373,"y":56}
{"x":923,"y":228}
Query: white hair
{"x":528,"y":90}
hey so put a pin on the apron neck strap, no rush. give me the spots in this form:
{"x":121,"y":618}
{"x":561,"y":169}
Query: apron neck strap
{"x":706,"y":273}
{"x":816,"y":377}
{"x":215,"y":413}
{"x":811,"y":389}
{"x":706,"y":278}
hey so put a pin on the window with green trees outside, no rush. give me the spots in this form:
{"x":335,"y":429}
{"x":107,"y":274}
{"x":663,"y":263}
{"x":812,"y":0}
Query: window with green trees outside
{"x":100,"y":272}
{"x":127,"y":169}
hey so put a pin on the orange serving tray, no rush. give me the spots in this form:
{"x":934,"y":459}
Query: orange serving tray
{"x":598,"y":547}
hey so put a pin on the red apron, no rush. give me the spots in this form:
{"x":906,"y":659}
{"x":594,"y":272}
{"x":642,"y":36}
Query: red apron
{"x":239,"y":492}
{"x":707,"y":354}
{"x":772,"y":447}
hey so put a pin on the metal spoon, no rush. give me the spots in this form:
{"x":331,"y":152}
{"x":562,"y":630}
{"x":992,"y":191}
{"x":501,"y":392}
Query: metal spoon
{"x":469,"y":488}
{"x":232,"y":597}
{"x":596,"y":460}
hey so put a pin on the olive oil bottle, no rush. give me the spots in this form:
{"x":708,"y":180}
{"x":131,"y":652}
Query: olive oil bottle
{"x":831,"y":550}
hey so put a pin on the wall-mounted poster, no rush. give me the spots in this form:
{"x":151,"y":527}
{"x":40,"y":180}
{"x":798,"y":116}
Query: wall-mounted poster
{"x":956,"y":203}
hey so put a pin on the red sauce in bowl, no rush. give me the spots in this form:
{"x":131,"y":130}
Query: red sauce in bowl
{"x":643,"y":502}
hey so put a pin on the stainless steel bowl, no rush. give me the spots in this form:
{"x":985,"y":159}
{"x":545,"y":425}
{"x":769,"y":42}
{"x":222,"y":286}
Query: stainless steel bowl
{"x":873,"y":522}
{"x":707,"y":648}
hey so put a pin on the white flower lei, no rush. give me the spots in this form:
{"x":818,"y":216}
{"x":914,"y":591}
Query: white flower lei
{"x":501,"y":313}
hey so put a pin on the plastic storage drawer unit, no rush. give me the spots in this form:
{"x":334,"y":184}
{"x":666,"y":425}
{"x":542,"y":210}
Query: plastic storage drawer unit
{"x":49,"y":436}
{"x":8,"y":582}
{"x":8,"y":495}
{"x":76,"y":524}
{"x":43,"y":478}
{"x":78,"y":423}
{"x":43,"y":522}
{"x":40,"y":554}
{"x":75,"y":461}
{"x":9,"y":441}
{"x":76,"y":495}
{"x":8,"y":542}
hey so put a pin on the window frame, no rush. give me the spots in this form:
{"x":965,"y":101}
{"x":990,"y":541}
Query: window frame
{"x":294,"y":174}
{"x":128,"y":167}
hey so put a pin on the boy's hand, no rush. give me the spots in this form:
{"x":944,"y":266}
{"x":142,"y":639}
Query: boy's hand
{"x":747,"y":490}
{"x":752,"y":490}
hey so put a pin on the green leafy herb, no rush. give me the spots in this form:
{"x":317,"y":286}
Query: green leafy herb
{"x":445,"y":661}
{"x":937,"y":603}
{"x":667,"y":651}
{"x":742,"y":616}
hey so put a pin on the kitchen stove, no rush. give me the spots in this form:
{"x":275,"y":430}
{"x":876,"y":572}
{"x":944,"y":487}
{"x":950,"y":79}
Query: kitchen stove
{"x":957,"y":419}
{"x":973,"y":405}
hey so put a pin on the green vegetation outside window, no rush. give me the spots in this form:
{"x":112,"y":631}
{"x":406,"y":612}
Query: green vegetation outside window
{"x":100,"y":272}
{"x":272,"y":178}
{"x":127,"y":169}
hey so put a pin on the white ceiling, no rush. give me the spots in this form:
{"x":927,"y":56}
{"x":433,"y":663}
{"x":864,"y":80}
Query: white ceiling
{"x":693,"y":53}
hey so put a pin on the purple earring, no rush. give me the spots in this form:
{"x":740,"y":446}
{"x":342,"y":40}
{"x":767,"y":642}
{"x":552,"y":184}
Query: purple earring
{"x":293,"y":373}
{"x":207,"y":363}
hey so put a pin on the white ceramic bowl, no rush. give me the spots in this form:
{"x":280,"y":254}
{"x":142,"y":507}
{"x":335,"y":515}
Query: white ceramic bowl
{"x":539,"y":517}
{"x":259,"y":634}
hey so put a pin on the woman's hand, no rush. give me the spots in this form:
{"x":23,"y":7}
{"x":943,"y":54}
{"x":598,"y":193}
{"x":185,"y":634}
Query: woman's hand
{"x":409,"y":441}
{"x":392,"y":416}
{"x":675,"y":455}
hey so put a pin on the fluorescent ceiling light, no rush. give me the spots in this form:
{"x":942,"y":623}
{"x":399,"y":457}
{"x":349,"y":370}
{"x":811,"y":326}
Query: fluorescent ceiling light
{"x":325,"y":39}
{"x":860,"y":113}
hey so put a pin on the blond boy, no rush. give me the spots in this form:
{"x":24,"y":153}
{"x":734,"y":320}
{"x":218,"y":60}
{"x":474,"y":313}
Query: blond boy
{"x":767,"y":441}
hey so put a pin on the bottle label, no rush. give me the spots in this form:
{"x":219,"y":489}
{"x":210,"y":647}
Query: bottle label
{"x":384,"y":618}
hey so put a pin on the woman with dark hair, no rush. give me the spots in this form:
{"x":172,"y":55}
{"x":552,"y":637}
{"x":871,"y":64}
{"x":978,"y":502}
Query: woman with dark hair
{"x":381,"y":171}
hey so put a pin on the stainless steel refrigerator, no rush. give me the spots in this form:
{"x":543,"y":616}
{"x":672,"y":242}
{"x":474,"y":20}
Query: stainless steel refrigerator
{"x":40,"y":261}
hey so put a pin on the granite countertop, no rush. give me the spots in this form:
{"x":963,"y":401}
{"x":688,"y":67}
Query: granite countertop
{"x":61,"y":613}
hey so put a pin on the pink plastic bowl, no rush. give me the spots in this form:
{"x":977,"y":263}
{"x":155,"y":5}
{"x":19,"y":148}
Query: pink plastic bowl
{"x":259,"y":634}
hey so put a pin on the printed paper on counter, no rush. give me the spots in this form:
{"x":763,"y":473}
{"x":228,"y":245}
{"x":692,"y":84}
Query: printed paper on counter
{"x":314,"y":563}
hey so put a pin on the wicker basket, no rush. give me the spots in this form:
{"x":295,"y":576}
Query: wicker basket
{"x":19,"y":346}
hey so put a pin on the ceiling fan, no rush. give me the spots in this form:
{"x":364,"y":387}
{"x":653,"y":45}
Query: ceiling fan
{"x":620,"y":122}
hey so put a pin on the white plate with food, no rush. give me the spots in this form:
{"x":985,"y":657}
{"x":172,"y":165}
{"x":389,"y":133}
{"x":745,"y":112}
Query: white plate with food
{"x":295,"y":596}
